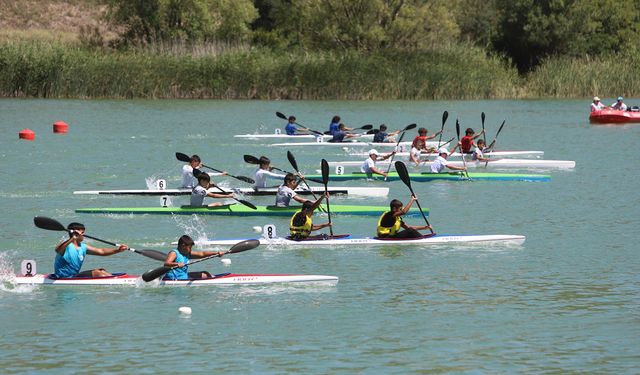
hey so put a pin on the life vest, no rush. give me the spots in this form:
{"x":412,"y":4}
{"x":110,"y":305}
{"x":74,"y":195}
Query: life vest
{"x":389,"y":231}
{"x":302,"y":231}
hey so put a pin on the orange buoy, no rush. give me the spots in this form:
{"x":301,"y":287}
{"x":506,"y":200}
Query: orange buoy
{"x":27,"y":134}
{"x":60,"y":127}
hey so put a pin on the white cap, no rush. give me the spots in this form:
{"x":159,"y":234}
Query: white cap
{"x":595,"y":98}
{"x":373,"y":151}
{"x":443,"y":150}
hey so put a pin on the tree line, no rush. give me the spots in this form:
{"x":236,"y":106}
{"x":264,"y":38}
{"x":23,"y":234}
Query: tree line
{"x":524,"y":32}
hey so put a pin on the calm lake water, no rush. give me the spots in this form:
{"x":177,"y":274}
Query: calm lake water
{"x":567,"y":301}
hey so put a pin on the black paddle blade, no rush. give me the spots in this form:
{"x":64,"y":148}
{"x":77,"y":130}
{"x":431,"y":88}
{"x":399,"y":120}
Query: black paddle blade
{"x":367,"y":127}
{"x":458,"y":129}
{"x":401,"y":168}
{"x":324,"y":166}
{"x":482,"y":118}
{"x":155,"y":273}
{"x":153,"y":254}
{"x":248,"y":204}
{"x":197,"y":172}
{"x":499,"y":129}
{"x":409,"y":127}
{"x":48,"y":223}
{"x":292,"y":160}
{"x":183,"y":157}
{"x":251,"y":159}
{"x":243,"y":246}
{"x":445,"y":116}
{"x":281,"y":115}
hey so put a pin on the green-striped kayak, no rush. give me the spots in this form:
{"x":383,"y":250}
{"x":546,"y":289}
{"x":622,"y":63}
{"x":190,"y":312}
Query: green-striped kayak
{"x":241,"y":210}
{"x":449,"y":176}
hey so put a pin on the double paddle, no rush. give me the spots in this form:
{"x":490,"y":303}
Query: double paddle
{"x":197,"y":173}
{"x":402,"y":132}
{"x":401,"y":168}
{"x":294,"y":164}
{"x":324,"y":166}
{"x":237,"y":248}
{"x":445,"y":116}
{"x":47,"y":223}
{"x":282,"y":116}
{"x":254,"y":160}
{"x":493,"y":143}
{"x":464,"y":163}
{"x":185,"y":158}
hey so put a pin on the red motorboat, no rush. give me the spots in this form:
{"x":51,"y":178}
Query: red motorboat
{"x":611,"y":116}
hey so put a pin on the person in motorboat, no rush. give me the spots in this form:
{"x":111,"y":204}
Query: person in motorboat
{"x":468,"y":140}
{"x":180,"y":257}
{"x":264,"y":172}
{"x":381,"y":136}
{"x":286,"y":191}
{"x":597,"y":105}
{"x":422,"y":135}
{"x":619,"y":104}
{"x":202,"y":190}
{"x":440,"y":163}
{"x":369,"y":165}
{"x":70,"y":255}
{"x":188,"y":179}
{"x":334,"y":126}
{"x":340,"y":134}
{"x":391,"y":223}
{"x":301,"y":225}
{"x":478,"y":153}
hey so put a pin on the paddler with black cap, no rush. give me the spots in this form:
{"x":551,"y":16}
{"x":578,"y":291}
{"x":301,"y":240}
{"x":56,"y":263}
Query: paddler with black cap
{"x":441,"y":161}
{"x":301,"y":224}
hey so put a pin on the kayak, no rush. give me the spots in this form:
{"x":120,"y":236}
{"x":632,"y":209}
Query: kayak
{"x":497,"y":163}
{"x":241,"y":210}
{"x":445,"y":176}
{"x":342,"y":190}
{"x":537,"y":154}
{"x":221,"y":279}
{"x":402,"y":147}
{"x":346,"y":239}
{"x":292,"y":137}
{"x":611,"y":116}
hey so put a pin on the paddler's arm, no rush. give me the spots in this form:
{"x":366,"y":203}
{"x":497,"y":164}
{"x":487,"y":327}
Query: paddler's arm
{"x":170,"y":260}
{"x":320,"y":226}
{"x":316,"y":204}
{"x":407,"y":207}
{"x":202,"y":254}
{"x":62,"y":246}
{"x":387,"y":156}
{"x":104,"y":251}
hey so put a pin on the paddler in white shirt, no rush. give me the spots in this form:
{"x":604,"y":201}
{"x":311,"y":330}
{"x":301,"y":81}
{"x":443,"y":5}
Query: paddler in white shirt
{"x":390,"y":222}
{"x":188,"y":179}
{"x":202,"y":190}
{"x":369,"y":165}
{"x":478,"y":153}
{"x":286,"y":191}
{"x":441,"y":162}
{"x":301,"y":225}
{"x":264,"y":172}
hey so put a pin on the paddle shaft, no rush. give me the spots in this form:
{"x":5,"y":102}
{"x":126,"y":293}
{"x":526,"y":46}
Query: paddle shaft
{"x":493,"y":143}
{"x":284,"y":117}
{"x":294,"y":164}
{"x":408,"y":127}
{"x":324,"y":166}
{"x":185,"y":158}
{"x":401,"y":168}
{"x":464,"y":163}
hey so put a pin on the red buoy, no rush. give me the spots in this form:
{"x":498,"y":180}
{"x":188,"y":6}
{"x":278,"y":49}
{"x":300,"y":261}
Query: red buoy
{"x":27,"y":134}
{"x":60,"y":127}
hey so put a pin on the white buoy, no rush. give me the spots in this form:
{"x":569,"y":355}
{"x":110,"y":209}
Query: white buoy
{"x":186,"y":310}
{"x":257,"y":229}
{"x":226,"y":262}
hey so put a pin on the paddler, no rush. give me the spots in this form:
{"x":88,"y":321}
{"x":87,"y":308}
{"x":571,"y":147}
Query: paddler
{"x":188,"y":179}
{"x":468,"y":140}
{"x":478,"y":153}
{"x":202,"y":190}
{"x":369,"y":165}
{"x":340,"y":134}
{"x":422,"y":135}
{"x":381,"y":136}
{"x":180,"y":257}
{"x":70,"y":255}
{"x":441,"y":161}
{"x":390,"y":222}
{"x":286,"y":191}
{"x":291,"y":128}
{"x":264,"y":172}
{"x":301,"y":225}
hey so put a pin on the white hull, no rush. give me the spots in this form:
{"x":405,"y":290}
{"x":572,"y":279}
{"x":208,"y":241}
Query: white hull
{"x":225,"y":279}
{"x":419,"y":242}
{"x":495,"y":164}
{"x":359,"y":191}
{"x":535,"y":154}
{"x":292,"y":137}
{"x":403,"y":145}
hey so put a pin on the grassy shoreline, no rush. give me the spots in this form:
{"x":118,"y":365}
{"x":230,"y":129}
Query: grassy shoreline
{"x":59,"y":70}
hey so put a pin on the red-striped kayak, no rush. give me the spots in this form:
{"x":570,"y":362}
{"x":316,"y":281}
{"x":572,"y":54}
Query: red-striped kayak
{"x":610,"y":116}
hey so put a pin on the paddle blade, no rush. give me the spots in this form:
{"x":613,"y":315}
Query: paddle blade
{"x":196,"y":172}
{"x":500,"y":129}
{"x":281,"y":115}
{"x":243,"y":246}
{"x":183,"y":157}
{"x":245,"y":179}
{"x":48,"y":223}
{"x":248,"y":204}
{"x":324,"y":166}
{"x":409,"y":127}
{"x":153,"y":254}
{"x":251,"y":159}
{"x":367,"y":127}
{"x":292,"y":160}
{"x":458,"y":129}
{"x":155,"y":273}
{"x":482,"y":118}
{"x":401,"y":168}
{"x":445,"y":116}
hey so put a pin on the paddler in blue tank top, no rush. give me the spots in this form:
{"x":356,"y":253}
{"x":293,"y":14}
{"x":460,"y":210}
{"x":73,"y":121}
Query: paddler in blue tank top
{"x":390,"y":222}
{"x":180,"y":258}
{"x":301,"y":225}
{"x":70,"y":255}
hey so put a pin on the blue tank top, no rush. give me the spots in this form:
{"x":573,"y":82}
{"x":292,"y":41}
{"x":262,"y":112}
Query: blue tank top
{"x":333,"y":127}
{"x":179,"y":273}
{"x":69,"y":264}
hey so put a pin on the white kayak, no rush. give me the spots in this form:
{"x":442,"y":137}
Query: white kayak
{"x":402,"y":147}
{"x":345,"y":239}
{"x":494,"y":164}
{"x":221,"y":279}
{"x":325,"y":137}
{"x":535,"y":154}
{"x":348,"y":190}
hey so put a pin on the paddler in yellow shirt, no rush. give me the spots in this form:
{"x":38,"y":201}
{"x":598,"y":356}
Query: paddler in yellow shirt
{"x":390,"y":222}
{"x":301,"y":225}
